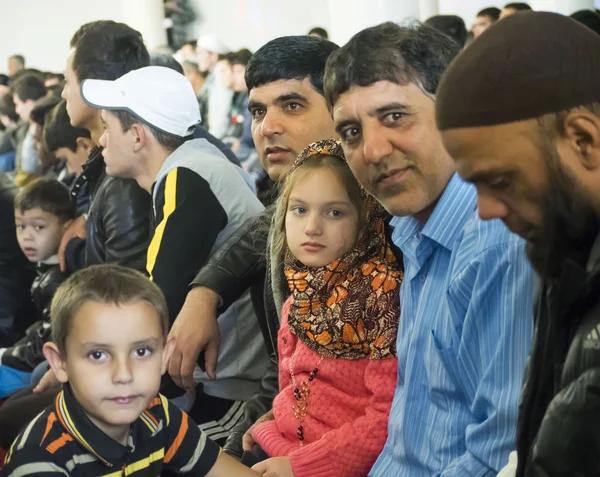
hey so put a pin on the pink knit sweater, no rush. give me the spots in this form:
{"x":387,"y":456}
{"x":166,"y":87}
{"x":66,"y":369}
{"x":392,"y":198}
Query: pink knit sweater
{"x":348,"y":409}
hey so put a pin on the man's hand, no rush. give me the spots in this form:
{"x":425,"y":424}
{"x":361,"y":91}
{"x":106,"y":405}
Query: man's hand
{"x":76,"y":229}
{"x":275,"y":467}
{"x":196,"y":329}
{"x":247,"y":441}
{"x":48,"y":381}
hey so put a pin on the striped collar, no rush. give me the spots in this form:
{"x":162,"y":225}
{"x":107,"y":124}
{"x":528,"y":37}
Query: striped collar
{"x":75,"y":421}
{"x":456,"y":205}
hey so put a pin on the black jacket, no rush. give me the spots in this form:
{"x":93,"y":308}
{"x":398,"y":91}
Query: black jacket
{"x":118,"y":225}
{"x":26,"y":353}
{"x":238,"y":265}
{"x":558,"y":432}
{"x":16,"y":272}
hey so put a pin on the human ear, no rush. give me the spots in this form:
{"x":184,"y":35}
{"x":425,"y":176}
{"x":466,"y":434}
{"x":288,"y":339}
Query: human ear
{"x":582,"y":132}
{"x":57,"y":362}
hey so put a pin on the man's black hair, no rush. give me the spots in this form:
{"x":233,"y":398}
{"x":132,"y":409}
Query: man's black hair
{"x":7,"y":107}
{"x":290,"y":57}
{"x":388,"y":52}
{"x":589,"y":18}
{"x":58,"y":131}
{"x":518,"y":6}
{"x":167,"y":61}
{"x":49,"y":195}
{"x":107,"y":50}
{"x":4,"y":79}
{"x":241,"y":57}
{"x":492,"y":13}
{"x":451,"y":25}
{"x":320,"y":32}
{"x":29,"y":87}
{"x":27,"y":72}
{"x":51,"y":75}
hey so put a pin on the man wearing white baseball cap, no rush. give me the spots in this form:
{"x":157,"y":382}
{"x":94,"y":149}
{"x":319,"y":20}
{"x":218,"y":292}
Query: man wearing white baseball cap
{"x":199,"y":199}
{"x":215,"y":99}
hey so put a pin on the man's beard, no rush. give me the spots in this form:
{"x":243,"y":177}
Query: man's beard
{"x":569,"y":222}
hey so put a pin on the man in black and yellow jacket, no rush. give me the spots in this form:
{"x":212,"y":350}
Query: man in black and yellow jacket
{"x":199,"y":199}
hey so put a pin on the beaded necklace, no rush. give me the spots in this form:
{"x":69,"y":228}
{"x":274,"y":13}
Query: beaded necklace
{"x":301,"y":394}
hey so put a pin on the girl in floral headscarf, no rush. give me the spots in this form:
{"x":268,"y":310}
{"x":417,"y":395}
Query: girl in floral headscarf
{"x":337,"y":361}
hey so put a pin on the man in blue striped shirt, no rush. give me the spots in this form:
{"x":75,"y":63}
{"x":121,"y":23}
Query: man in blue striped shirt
{"x":467,"y":296}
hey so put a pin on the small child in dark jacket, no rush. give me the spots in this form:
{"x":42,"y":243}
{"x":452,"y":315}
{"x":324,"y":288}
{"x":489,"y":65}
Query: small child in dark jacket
{"x":43,"y":211}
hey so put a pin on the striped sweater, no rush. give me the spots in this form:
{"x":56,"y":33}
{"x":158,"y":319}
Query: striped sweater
{"x":63,"y":441}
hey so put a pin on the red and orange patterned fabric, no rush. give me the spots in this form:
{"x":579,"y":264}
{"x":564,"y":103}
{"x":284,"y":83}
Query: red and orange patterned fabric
{"x":350,"y":308}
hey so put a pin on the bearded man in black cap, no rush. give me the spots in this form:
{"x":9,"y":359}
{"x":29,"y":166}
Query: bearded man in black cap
{"x":534,"y":157}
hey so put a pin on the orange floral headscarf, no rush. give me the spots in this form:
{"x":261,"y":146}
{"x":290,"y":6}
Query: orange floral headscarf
{"x":348,"y":309}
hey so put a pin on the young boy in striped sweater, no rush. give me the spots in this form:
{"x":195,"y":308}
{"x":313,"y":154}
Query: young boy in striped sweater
{"x":109,"y":327}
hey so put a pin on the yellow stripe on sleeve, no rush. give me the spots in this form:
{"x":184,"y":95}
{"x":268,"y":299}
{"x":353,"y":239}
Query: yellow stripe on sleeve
{"x":168,"y":209}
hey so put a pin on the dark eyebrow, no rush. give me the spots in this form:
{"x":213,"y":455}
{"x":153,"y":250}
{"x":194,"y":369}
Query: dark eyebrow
{"x":284,"y":98}
{"x":343,"y":124}
{"x":386,"y":108}
{"x":255,"y":104}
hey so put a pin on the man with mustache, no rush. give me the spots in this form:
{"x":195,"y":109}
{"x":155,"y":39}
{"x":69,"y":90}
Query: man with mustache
{"x":534,"y":157}
{"x":288,"y":109}
{"x":466,"y":299}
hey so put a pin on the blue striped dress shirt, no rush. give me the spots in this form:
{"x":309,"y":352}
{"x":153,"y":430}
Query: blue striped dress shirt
{"x":466,"y":325}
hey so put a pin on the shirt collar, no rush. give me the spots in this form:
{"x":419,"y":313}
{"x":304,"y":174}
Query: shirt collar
{"x":53,"y":260}
{"x":84,"y":431}
{"x":455,"y":207}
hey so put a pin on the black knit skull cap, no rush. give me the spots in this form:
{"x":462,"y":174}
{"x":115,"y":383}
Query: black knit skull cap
{"x":526,"y":65}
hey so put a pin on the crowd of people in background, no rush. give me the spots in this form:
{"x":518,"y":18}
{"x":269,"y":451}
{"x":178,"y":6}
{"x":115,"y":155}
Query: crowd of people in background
{"x":308,"y":260}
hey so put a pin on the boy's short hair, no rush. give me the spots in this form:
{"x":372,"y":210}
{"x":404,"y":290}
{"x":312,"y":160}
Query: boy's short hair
{"x":493,"y":13}
{"x":58,"y":131}
{"x":106,"y":50}
{"x":519,"y":6}
{"x":451,"y":25}
{"x":49,"y":195}
{"x":29,"y":86}
{"x":169,"y":141}
{"x":241,"y":57}
{"x":109,"y":283}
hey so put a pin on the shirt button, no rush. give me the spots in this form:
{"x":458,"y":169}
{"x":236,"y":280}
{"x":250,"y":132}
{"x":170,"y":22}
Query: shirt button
{"x":284,"y":340}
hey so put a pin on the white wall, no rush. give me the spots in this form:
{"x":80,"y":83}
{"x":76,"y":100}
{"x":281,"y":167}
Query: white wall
{"x":41,"y":29}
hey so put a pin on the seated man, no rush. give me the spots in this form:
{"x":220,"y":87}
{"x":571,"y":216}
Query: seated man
{"x":467,"y":296}
{"x":43,"y":210}
{"x":535,"y":160}
{"x":199,"y":200}
{"x":109,"y":328}
{"x":288,"y":109}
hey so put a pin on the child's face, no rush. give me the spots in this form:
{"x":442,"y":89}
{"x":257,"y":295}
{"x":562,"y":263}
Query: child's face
{"x":39,"y":233}
{"x":114,"y":358}
{"x":321,"y":223}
